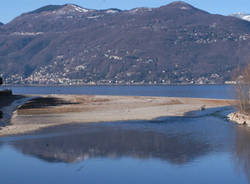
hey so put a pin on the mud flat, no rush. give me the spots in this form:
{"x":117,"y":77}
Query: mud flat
{"x":55,"y":110}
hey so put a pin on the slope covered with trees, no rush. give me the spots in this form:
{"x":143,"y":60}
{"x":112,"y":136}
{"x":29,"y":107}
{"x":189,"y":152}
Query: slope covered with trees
{"x":68,"y":44}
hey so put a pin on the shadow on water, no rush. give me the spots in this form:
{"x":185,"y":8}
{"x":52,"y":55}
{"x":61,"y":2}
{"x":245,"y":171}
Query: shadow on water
{"x":175,"y":140}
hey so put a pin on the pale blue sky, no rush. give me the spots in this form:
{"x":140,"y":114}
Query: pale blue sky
{"x":12,"y":8}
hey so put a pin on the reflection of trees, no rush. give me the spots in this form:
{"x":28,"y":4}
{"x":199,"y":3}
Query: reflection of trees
{"x":242,"y":149}
{"x":114,"y":143}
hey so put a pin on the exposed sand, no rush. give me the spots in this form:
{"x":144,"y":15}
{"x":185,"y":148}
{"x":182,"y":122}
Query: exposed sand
{"x":87,"y":109}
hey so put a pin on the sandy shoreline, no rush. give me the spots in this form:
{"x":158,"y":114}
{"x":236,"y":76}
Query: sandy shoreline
{"x":89,"y":109}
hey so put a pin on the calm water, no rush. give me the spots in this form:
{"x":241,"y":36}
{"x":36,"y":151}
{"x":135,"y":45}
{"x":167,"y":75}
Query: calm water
{"x":205,"y":149}
{"x":202,"y":91}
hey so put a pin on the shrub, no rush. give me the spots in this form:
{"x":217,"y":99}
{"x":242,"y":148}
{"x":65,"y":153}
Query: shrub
{"x":242,"y":90}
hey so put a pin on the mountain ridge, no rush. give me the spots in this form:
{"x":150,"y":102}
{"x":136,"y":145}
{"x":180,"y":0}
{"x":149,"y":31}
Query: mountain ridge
{"x":45,"y":8}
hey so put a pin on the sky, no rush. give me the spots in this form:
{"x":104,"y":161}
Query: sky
{"x":10,"y":9}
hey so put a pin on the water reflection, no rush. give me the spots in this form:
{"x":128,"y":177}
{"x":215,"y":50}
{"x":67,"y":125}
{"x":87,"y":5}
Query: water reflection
{"x":242,"y":149}
{"x":176,"y":143}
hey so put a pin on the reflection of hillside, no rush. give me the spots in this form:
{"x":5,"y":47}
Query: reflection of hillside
{"x":114,"y":143}
{"x":242,"y":149}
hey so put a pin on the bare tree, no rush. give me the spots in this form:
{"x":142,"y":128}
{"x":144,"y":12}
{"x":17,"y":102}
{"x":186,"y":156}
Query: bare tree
{"x":242,"y":90}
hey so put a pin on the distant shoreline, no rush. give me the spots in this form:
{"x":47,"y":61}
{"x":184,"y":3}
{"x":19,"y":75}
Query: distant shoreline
{"x":55,"y":110}
{"x":62,"y":85}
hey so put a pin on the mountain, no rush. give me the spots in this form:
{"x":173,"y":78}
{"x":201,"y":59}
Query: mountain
{"x":176,"y":43}
{"x":1,"y":23}
{"x":243,"y":16}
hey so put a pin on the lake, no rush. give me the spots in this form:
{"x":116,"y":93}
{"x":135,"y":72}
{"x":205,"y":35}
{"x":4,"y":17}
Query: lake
{"x":196,"y":91}
{"x":202,"y":149}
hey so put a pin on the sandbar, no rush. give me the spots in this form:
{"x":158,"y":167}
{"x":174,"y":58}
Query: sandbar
{"x":31,"y":117}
